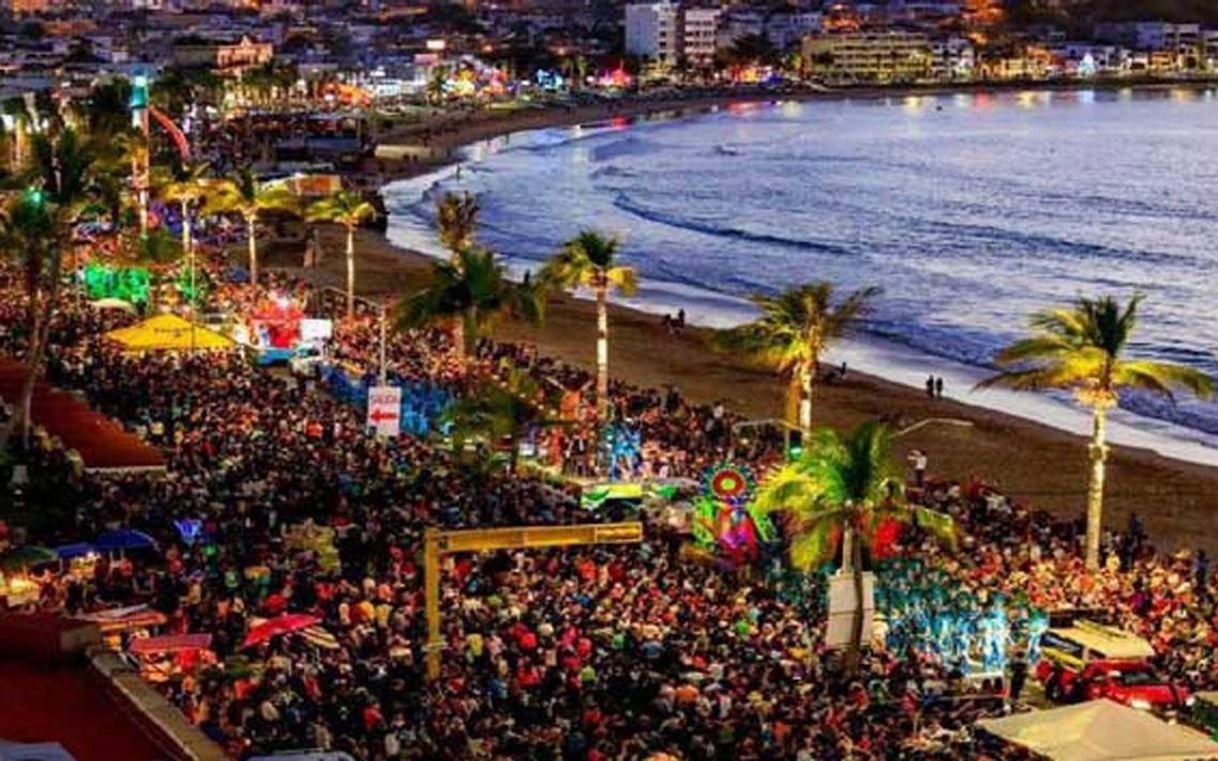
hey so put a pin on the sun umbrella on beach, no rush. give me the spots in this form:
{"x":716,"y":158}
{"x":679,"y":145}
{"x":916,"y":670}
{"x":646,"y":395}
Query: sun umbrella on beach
{"x":278,"y":626}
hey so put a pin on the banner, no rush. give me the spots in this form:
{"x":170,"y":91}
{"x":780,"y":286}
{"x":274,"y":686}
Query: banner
{"x":312,"y":330}
{"x":385,"y":409}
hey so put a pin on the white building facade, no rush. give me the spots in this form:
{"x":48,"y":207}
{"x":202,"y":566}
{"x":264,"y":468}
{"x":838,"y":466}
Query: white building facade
{"x":652,"y":32}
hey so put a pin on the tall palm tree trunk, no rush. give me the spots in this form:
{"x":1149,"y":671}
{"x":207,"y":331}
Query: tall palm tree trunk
{"x":38,"y":343}
{"x":461,"y":337}
{"x":855,"y":568}
{"x":188,"y":248}
{"x":350,"y":271}
{"x":251,"y":230}
{"x":602,"y":350}
{"x":1095,"y":491}
{"x":805,"y":396}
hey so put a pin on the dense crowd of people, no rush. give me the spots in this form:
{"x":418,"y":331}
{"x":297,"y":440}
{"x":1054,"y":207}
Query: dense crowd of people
{"x":582,"y":653}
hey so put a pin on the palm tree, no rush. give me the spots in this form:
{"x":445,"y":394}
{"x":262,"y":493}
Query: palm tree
{"x":157,"y":250}
{"x":472,"y":292}
{"x":63,"y":172}
{"x":497,"y":411}
{"x":349,"y":210}
{"x":106,"y":112}
{"x":591,"y":259}
{"x":437,"y":86}
{"x":456,"y":221}
{"x":26,"y":228}
{"x":188,"y":187}
{"x":243,"y":194}
{"x":835,"y":495}
{"x":793,"y":332}
{"x":1081,"y":349}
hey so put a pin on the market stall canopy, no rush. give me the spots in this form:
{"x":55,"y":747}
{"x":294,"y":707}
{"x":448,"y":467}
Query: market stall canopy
{"x":171,"y":643}
{"x":168,"y":332}
{"x":112,"y":303}
{"x":124,"y":539}
{"x":77,"y":550}
{"x":285,"y":624}
{"x":26,"y":556}
{"x":125,"y":619}
{"x":1100,"y":730}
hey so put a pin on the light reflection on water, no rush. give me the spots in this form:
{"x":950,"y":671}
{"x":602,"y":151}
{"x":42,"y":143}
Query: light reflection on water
{"x":971,"y":209}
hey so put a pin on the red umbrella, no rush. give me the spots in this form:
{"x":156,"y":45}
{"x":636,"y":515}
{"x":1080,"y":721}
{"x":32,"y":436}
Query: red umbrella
{"x":274,"y":627}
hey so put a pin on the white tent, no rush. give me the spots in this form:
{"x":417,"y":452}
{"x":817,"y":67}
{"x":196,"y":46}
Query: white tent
{"x":1101,"y":730}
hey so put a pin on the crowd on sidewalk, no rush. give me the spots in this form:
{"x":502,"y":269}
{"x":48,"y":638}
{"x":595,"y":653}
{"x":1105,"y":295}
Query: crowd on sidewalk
{"x":581,"y":653}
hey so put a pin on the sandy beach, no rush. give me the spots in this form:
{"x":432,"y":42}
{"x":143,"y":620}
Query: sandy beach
{"x":1028,"y":460}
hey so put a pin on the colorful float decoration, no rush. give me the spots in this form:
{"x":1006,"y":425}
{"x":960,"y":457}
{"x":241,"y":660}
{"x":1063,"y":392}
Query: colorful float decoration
{"x":275,"y":324}
{"x":130,"y":284}
{"x":724,"y":520}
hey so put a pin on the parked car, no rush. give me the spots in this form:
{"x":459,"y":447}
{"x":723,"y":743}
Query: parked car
{"x":1087,"y":661}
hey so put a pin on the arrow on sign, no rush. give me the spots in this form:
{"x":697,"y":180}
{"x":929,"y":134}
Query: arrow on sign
{"x":379,"y":416}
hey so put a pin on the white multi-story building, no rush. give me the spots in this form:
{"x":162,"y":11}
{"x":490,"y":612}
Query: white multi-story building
{"x":652,"y":32}
{"x":699,"y":29}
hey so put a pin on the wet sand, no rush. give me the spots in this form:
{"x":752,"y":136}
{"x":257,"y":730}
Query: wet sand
{"x":1177,"y":501}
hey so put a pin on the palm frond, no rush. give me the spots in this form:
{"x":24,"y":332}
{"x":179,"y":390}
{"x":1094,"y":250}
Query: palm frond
{"x":1163,"y":378}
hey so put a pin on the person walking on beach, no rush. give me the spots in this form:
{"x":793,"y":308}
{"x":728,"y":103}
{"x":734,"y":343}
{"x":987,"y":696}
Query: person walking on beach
{"x":919,"y":461}
{"x":939,"y":387}
{"x":930,"y":386}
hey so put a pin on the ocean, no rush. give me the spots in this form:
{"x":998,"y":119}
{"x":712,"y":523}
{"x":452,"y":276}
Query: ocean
{"x":971,"y":211}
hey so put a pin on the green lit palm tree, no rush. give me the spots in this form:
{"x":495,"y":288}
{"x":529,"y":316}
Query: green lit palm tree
{"x":349,"y":210}
{"x":591,"y":260}
{"x":1081,"y":349}
{"x":62,"y":183}
{"x":472,"y":292}
{"x":501,"y":411}
{"x":456,"y":221}
{"x":793,"y":332}
{"x":835,"y":495}
{"x":243,"y":194}
{"x":158,"y":251}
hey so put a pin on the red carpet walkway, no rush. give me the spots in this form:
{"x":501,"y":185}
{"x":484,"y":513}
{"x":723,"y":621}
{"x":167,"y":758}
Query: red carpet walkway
{"x":101,"y":442}
{"x":68,"y":705}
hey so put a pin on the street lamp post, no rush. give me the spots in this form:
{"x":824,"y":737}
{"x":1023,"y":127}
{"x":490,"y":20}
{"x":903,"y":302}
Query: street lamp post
{"x":382,"y":347}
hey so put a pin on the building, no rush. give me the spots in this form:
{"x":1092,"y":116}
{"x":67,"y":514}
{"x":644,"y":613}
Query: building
{"x":1149,"y":35}
{"x":699,"y":29}
{"x":652,"y":32}
{"x":873,"y":56}
{"x":666,"y":33}
{"x":225,"y":58}
{"x":23,"y":7}
{"x":953,"y":59}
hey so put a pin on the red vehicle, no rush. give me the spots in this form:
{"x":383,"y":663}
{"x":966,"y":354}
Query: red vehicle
{"x":1089,"y":661}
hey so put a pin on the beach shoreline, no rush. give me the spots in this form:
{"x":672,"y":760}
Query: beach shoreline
{"x":1027,"y":458}
{"x":445,"y":136}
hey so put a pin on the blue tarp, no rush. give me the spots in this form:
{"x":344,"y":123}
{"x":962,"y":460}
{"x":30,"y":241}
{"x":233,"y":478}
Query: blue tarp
{"x":422,"y":402}
{"x":124,"y":539}
{"x":69,"y":551}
